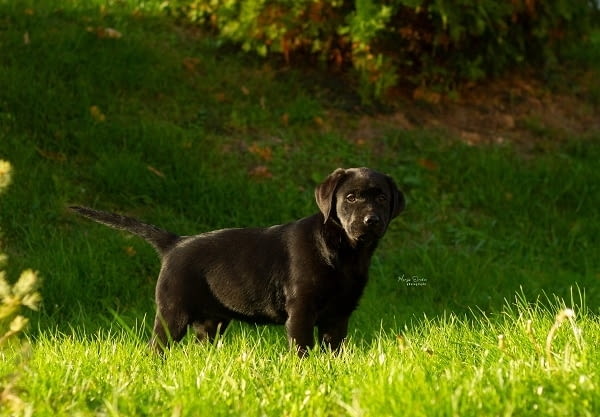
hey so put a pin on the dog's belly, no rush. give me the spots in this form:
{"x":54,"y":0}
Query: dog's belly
{"x":249,"y":297}
{"x":243,"y":270}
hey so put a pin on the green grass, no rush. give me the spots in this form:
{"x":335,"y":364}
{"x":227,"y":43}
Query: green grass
{"x":186,"y":125}
{"x":439,"y":367}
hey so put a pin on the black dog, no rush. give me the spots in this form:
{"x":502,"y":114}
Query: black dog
{"x":307,"y":273}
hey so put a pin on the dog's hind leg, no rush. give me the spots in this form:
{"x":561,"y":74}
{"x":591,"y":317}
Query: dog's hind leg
{"x":168,"y":328}
{"x":209,"y":329}
{"x":332,"y":332}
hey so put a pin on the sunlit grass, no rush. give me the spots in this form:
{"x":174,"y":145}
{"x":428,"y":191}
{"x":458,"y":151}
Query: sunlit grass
{"x":443,"y":366}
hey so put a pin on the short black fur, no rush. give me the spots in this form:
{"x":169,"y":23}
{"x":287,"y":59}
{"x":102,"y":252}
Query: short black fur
{"x":307,"y":273}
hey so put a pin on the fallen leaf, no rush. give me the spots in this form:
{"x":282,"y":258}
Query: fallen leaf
{"x":263,"y":152}
{"x":221,"y":97}
{"x":97,"y":114}
{"x":130,"y":250}
{"x":427,"y":164}
{"x":285,"y":119}
{"x":191,"y":64}
{"x":105,"y":33}
{"x":155,"y":171}
{"x":112,"y":33}
{"x":245,"y":90}
{"x":428,"y":96}
{"x":260,"y":172}
{"x":52,"y":156}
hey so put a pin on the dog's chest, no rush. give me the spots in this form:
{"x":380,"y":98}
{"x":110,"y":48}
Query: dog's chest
{"x":343,"y":291}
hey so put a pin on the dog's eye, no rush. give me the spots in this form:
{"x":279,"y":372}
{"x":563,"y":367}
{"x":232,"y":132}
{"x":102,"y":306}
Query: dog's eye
{"x":351,"y":198}
{"x":382,"y":198}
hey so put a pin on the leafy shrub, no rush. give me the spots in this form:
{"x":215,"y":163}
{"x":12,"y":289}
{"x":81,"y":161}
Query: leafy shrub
{"x":426,"y":42}
{"x":12,"y":298}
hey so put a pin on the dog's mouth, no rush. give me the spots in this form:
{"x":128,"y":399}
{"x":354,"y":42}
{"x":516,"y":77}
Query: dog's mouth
{"x":365,"y":238}
{"x":367,"y":235}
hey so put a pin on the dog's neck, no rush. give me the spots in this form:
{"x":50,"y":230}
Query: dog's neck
{"x":338,"y":248}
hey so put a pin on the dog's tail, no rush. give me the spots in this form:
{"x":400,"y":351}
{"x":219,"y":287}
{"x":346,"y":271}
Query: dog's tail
{"x":159,"y":238}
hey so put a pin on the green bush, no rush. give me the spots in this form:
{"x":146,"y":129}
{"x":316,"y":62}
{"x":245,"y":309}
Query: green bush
{"x":423,"y":42}
{"x":12,"y":300}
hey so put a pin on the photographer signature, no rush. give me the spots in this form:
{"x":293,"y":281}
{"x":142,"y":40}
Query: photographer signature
{"x":413,"y":281}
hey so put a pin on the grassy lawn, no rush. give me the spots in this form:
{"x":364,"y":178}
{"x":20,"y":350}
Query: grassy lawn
{"x":483,"y":297}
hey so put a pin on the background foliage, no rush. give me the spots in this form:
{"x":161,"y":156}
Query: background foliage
{"x":392,"y":42}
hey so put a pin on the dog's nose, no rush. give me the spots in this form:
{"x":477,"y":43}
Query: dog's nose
{"x":371,"y":219}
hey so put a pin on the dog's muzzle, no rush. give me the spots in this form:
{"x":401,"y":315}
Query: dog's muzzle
{"x":369,"y":229}
{"x":371,"y":220}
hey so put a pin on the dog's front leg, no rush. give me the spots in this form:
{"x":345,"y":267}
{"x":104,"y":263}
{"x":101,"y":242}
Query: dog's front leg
{"x":299,"y":326}
{"x":332,"y":332}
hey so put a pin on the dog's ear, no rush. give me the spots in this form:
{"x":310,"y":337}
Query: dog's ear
{"x":398,"y":203}
{"x":324,"y":193}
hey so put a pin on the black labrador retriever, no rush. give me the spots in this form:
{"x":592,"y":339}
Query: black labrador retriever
{"x":306,"y":273}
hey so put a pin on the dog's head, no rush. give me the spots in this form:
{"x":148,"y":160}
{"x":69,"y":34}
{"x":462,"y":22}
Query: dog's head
{"x":361,"y":201}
